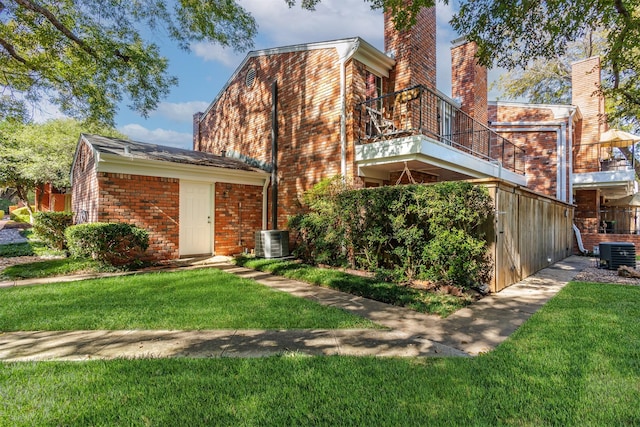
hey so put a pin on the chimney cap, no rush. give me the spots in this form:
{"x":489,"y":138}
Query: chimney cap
{"x":459,"y":42}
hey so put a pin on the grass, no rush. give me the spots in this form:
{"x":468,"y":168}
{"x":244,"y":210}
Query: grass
{"x":575,"y":362}
{"x":390,"y":293}
{"x":50,"y":268}
{"x":195,"y":299}
{"x":32,"y":247}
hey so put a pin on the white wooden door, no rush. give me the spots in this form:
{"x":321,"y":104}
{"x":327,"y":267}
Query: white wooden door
{"x":195,"y":218}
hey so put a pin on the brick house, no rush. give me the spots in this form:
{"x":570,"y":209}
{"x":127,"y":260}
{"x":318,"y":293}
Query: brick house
{"x":191,"y":202}
{"x":568,"y":158}
{"x":291,"y":116}
{"x":317,"y":110}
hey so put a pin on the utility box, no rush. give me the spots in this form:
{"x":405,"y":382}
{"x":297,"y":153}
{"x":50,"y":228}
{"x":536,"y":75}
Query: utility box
{"x":616,"y":254}
{"x":272,"y":243}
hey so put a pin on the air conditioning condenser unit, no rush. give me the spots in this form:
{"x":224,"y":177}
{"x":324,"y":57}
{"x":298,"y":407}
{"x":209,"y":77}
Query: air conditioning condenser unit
{"x":272,"y":243}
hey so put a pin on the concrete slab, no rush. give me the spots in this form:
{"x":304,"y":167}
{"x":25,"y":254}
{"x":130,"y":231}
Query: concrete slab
{"x":87,"y":345}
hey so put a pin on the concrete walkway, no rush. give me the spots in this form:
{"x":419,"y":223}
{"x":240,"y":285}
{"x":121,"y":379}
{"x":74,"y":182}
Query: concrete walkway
{"x":470,"y":331}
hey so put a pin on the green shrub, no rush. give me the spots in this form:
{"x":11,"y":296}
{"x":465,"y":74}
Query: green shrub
{"x":403,"y":233}
{"x":112,"y":243}
{"x":21,"y":215}
{"x":49,"y":227}
{"x":1,"y":214}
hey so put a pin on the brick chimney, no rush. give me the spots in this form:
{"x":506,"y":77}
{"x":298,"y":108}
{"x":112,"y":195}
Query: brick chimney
{"x":196,"y":130}
{"x":469,"y":80}
{"x":585,"y":93}
{"x":414,"y":51}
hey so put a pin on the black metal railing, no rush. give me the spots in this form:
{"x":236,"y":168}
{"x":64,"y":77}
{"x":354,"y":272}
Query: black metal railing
{"x":421,"y":111}
{"x":601,"y":157}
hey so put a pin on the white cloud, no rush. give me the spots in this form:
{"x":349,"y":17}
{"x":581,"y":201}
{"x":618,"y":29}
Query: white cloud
{"x":332,"y":19}
{"x":216,"y":53}
{"x":157,"y":136}
{"x":181,"y":112}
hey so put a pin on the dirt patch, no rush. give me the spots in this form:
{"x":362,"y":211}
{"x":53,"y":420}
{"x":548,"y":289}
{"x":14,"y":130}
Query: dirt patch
{"x":8,"y":262}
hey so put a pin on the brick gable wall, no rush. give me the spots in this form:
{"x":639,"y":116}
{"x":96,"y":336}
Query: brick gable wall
{"x":84,"y":195}
{"x":308,"y":120}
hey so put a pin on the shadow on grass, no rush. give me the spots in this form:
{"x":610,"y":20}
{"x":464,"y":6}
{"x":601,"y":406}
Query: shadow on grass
{"x":389,"y":293}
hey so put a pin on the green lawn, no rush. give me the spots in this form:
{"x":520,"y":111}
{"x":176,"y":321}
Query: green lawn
{"x":389,"y":293}
{"x":195,"y":299}
{"x":50,"y":268}
{"x":575,"y":362}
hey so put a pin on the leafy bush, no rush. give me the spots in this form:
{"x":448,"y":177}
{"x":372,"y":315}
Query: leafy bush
{"x":403,"y":233}
{"x":21,"y":215}
{"x":1,"y":214}
{"x":112,"y":243}
{"x":49,"y":227}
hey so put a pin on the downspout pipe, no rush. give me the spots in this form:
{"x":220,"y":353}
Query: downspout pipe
{"x":274,"y":155}
{"x":576,"y":230}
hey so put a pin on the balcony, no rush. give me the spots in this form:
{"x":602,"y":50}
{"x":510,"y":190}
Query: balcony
{"x":423,"y":130}
{"x":604,"y":167}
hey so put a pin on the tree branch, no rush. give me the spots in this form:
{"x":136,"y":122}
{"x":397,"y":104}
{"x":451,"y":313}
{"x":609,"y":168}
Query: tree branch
{"x":28,"y":4}
{"x":11,"y":51}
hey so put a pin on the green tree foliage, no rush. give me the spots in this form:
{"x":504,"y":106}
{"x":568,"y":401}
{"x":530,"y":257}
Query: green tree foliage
{"x":548,"y":80}
{"x":33,"y":154}
{"x":86,"y":55}
{"x":511,"y":34}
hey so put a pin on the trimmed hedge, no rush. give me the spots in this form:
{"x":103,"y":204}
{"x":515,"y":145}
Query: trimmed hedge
{"x":403,"y":233}
{"x":113,"y":243}
{"x":50,"y":226}
{"x":21,"y":215}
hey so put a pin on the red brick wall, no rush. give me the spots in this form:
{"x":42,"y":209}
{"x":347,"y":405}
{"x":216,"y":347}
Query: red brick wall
{"x":238,"y":215}
{"x":587,"y":215}
{"x":539,"y":141}
{"x":414,"y":50}
{"x":469,"y":81}
{"x":308,"y":120}
{"x":84,"y":196}
{"x":585,"y":83}
{"x":590,"y":240}
{"x":151,"y":203}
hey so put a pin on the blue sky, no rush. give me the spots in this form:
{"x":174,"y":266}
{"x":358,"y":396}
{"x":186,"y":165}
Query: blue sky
{"x":204,"y":71}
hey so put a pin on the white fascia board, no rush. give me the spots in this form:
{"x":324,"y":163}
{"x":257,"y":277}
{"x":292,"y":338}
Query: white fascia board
{"x":372,"y":58}
{"x":603,"y":179}
{"x":339,"y":45}
{"x":428,"y":151}
{"x":132,"y":166}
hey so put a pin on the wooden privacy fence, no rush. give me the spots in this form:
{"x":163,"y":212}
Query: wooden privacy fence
{"x":530,"y":231}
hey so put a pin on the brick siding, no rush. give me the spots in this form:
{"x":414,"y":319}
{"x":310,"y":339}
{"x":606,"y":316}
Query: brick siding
{"x":238,"y":215}
{"x":414,"y":50}
{"x":469,"y":81}
{"x":148,"y":202}
{"x":84,"y":195}
{"x":308,"y":120}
